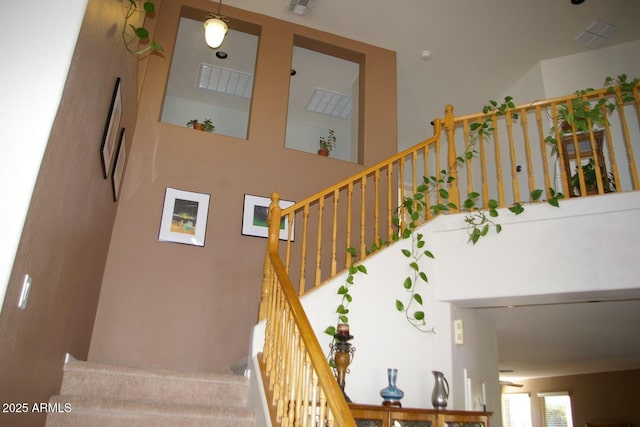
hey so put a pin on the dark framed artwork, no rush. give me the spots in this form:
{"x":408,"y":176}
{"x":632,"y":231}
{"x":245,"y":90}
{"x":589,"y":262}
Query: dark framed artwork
{"x":110,"y":134}
{"x":184,"y":217}
{"x":254,"y":217}
{"x":119,"y":164}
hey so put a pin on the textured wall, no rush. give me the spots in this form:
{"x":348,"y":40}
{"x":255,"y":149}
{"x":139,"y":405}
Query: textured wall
{"x":68,"y":228}
{"x":192,"y":308}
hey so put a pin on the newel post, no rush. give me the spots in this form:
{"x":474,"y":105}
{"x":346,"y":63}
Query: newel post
{"x":273,"y":221}
{"x":452,"y":158}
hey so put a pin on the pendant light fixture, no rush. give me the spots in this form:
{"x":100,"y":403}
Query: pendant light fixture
{"x":215,"y":28}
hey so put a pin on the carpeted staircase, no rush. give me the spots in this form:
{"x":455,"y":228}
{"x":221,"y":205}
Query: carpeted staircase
{"x":103,"y":395}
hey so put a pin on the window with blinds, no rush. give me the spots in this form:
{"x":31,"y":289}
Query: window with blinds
{"x":555,"y":409}
{"x":516,"y":410}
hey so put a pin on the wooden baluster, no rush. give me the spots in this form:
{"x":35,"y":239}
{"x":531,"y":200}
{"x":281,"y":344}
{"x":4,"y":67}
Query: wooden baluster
{"x":512,"y":153}
{"x":303,"y":250}
{"x":527,"y":149}
{"x":307,"y":390}
{"x":363,"y":212}
{"x":576,"y":148}
{"x":543,"y":152}
{"x":565,"y":174}
{"x":467,"y":161}
{"x":402,"y":211}
{"x":390,"y":212}
{"x":483,"y":168}
{"x":376,"y":206}
{"x":334,"y":232}
{"x":449,"y":124}
{"x":318,"y":277}
{"x":349,"y":214}
{"x":627,"y":139}
{"x":498,"y":160}
{"x":287,"y":261}
{"x":322,"y":416}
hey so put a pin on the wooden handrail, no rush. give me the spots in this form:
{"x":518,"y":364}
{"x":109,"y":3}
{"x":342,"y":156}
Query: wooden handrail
{"x":338,"y":408}
{"x":357,"y":212}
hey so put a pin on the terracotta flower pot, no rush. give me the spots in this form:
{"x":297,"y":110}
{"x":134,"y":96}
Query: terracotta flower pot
{"x":198,"y":126}
{"x":323,"y":152}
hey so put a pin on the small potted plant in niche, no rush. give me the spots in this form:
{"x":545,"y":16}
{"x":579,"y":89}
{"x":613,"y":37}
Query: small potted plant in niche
{"x":206,"y":126}
{"x":589,"y":171}
{"x":327,"y":144}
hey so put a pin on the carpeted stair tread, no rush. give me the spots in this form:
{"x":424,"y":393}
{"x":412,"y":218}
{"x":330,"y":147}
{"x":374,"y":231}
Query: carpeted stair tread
{"x":109,"y":381}
{"x":99,"y":395}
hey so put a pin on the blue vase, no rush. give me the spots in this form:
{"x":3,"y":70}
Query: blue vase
{"x":391,"y":394}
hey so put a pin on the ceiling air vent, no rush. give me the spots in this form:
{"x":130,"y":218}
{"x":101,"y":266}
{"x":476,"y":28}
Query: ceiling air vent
{"x":300,"y":7}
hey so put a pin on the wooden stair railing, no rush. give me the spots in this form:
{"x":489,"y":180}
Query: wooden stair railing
{"x":358,"y":213}
{"x":299,"y":383}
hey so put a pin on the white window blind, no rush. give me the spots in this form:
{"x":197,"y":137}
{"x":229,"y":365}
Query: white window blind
{"x":516,"y":410}
{"x":555,"y":409}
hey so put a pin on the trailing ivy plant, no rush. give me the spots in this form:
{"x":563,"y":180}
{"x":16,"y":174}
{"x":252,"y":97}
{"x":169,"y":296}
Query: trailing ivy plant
{"x":140,"y":34}
{"x":343,"y":291}
{"x":412,"y":214}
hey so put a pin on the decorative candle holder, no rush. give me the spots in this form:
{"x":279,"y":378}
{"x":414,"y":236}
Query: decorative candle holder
{"x":341,"y":352}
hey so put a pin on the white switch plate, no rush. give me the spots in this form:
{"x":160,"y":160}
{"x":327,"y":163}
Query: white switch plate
{"x":458,"y":332}
{"x":24,"y":294}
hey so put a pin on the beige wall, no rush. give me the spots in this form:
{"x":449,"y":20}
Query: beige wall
{"x":608,"y":396}
{"x":67,"y":230}
{"x":192,"y":308}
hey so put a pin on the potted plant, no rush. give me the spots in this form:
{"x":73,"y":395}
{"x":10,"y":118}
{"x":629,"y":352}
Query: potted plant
{"x":206,"y":126}
{"x":327,"y":144}
{"x":589,"y":172}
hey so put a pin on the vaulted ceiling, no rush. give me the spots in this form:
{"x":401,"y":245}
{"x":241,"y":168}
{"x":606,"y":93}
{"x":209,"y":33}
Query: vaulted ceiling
{"x":478,"y":50}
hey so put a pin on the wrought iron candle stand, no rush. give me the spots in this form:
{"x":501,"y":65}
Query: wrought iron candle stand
{"x":341,"y":352}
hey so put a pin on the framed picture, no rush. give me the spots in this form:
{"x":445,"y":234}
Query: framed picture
{"x":184,"y":217}
{"x":110,"y":134}
{"x":254,"y":217}
{"x":118,"y":165}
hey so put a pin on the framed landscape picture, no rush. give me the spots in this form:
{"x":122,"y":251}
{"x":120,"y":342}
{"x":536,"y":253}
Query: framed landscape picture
{"x":118,"y":166}
{"x":111,"y":127}
{"x":184,"y":217}
{"x":254,"y":217}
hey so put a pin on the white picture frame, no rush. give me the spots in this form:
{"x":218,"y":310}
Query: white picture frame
{"x":254,"y":217}
{"x":184,"y":217}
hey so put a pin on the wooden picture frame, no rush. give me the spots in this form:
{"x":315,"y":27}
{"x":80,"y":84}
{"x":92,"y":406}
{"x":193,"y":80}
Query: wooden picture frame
{"x":184,"y":217}
{"x":254,"y":217}
{"x":119,"y":164}
{"x":110,"y":133}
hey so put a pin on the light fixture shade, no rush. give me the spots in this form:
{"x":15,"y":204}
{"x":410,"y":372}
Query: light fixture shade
{"x":214,"y":31}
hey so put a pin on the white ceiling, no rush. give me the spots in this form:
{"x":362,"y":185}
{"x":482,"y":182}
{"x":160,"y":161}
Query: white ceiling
{"x":479,"y":49}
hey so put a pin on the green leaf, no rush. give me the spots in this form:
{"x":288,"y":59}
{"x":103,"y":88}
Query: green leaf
{"x":554,"y":202}
{"x":443,"y":193}
{"x":343,"y":319}
{"x":423,"y":276}
{"x":418,"y":298}
{"x":353,"y":269}
{"x":418,"y":315}
{"x":352,"y":251}
{"x":493,"y":204}
{"x":331,"y":330}
{"x":408,"y":283}
{"x":342,"y":309}
{"x":406,"y":252}
{"x":348,"y":297}
{"x":406,"y":234}
{"x":141,"y":32}
{"x":493,"y":213}
{"x":517,"y":209}
{"x":485,"y":230}
{"x":343,"y":290}
{"x":429,"y":254}
{"x":536,"y":194}
{"x":362,"y":268}
{"x":399,"y":305}
{"x":149,"y":7}
{"x":414,"y":265}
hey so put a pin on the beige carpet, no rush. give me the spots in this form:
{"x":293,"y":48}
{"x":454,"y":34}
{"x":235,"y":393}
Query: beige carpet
{"x":103,"y":395}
